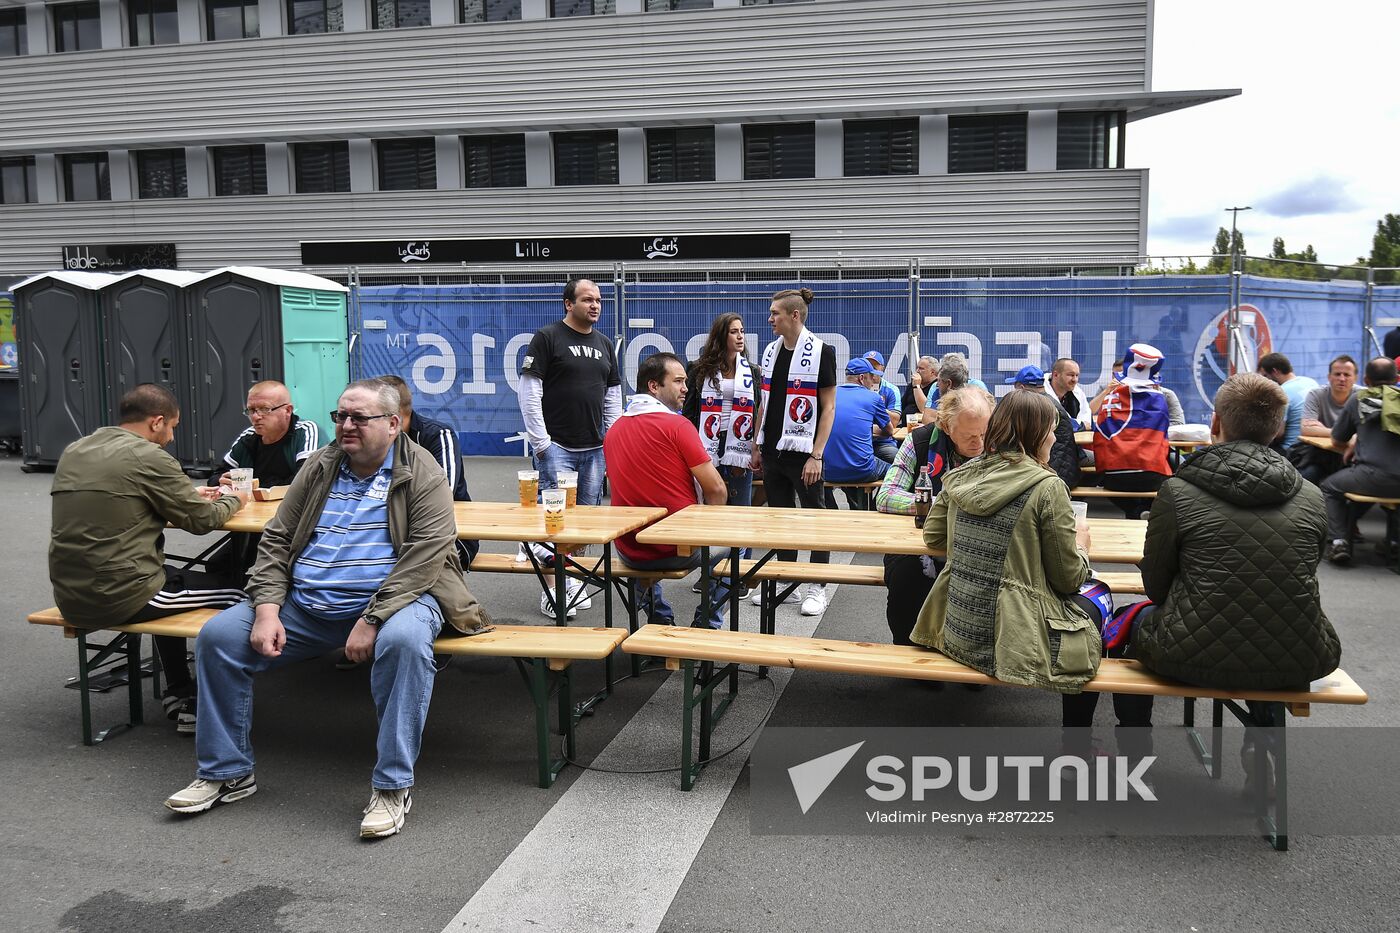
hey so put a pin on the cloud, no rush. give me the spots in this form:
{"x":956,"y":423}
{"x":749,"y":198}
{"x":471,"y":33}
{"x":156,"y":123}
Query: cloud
{"x":1194,"y":227}
{"x":1322,"y":194}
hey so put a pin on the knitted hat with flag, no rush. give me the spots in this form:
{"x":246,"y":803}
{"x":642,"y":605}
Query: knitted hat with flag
{"x":1142,"y":364}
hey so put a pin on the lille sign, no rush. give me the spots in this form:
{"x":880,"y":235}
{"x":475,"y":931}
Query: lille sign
{"x":638,"y":248}
{"x":119,"y":257}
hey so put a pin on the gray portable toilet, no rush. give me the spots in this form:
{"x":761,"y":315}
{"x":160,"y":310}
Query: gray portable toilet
{"x":146,"y":339}
{"x":248,"y":324}
{"x":62,"y":396}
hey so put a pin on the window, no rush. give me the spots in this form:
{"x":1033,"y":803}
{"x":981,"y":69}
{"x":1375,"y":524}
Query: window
{"x":585,"y":158}
{"x":397,"y":14}
{"x":780,"y":150}
{"x":160,"y":173}
{"x":489,"y":11}
{"x":406,"y":164}
{"x":881,"y":147}
{"x":1089,"y":140}
{"x":152,"y":22}
{"x":560,"y":8}
{"x":991,"y":143}
{"x":668,"y":6}
{"x":495,"y":161}
{"x":231,"y":19}
{"x":77,"y":27}
{"x":313,"y":16}
{"x":321,"y":167}
{"x":239,"y":170}
{"x":85,"y":177}
{"x":685,"y":154}
{"x":14,"y":34}
{"x":17,"y":182}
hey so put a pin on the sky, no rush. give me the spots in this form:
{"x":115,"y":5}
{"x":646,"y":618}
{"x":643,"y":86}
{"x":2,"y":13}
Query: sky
{"x":1312,"y":143}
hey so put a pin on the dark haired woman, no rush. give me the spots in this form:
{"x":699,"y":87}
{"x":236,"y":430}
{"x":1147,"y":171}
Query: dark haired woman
{"x":722,"y":402}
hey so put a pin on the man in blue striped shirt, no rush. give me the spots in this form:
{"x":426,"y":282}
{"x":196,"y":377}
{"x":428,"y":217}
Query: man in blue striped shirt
{"x":359,"y":555}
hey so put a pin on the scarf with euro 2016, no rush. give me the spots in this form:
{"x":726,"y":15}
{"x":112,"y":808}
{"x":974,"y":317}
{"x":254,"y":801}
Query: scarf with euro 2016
{"x":739,"y":432}
{"x":1130,"y":431}
{"x":800,"y":401}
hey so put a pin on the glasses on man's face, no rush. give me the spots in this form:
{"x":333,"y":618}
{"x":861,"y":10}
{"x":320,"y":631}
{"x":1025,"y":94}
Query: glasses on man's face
{"x":264,"y":412}
{"x":359,"y":421}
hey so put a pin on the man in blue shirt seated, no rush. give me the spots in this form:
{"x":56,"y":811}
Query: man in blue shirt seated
{"x":885,"y":447}
{"x":1278,"y":368}
{"x":360,"y":554}
{"x":861,"y":415}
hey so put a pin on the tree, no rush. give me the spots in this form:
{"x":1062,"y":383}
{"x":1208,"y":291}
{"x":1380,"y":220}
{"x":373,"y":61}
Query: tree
{"x":1220,"y":251}
{"x":1279,"y":250}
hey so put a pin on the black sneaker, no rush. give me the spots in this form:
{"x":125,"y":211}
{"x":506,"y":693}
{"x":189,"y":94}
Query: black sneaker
{"x":1339,"y":552}
{"x":743,"y":590}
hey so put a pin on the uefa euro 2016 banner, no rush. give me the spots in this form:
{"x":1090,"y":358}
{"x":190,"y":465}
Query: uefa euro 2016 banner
{"x":459,"y":346}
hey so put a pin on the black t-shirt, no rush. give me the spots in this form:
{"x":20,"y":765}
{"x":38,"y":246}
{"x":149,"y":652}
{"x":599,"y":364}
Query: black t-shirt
{"x":777,"y":399}
{"x":1070,"y":402}
{"x":577,"y":371}
{"x":277,"y":463}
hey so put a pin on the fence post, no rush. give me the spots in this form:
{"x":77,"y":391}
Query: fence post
{"x":1368,"y":325}
{"x":1233,"y":317}
{"x":620,"y":318}
{"x":355,"y":324}
{"x":914,"y":320}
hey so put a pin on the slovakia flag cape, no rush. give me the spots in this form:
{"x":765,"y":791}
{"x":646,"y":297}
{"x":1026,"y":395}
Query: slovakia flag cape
{"x":1130,"y":431}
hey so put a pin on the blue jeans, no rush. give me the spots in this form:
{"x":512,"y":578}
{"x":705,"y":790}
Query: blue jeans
{"x":654,"y":604}
{"x":588,"y":464}
{"x":739,"y":482}
{"x":401,"y":682}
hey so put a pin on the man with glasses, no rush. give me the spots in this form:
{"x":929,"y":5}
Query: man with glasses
{"x":277,"y":442}
{"x":360,"y":554}
{"x":274,"y":445}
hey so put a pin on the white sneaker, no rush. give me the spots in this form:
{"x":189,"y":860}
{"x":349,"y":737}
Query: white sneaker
{"x":547,"y":606}
{"x":571,"y":587}
{"x":815,"y":603}
{"x":385,"y":813}
{"x":757,"y":597}
{"x":521,"y":556}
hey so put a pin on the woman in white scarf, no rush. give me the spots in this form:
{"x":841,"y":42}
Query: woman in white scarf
{"x":722,"y":403}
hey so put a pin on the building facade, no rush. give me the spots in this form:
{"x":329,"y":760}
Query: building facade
{"x":236,"y":130}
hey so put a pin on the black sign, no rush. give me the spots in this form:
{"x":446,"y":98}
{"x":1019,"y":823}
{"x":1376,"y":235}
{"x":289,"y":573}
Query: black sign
{"x":638,"y":248}
{"x":119,"y":257}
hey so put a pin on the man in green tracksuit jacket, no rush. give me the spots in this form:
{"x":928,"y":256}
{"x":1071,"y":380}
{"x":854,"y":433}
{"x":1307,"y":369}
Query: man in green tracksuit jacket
{"x":114,"y":492}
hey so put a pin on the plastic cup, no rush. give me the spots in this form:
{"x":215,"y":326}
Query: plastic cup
{"x":554,"y":504}
{"x":1081,"y":512}
{"x":529,"y":487}
{"x":242,"y":479}
{"x":568,"y":481}
{"x":914,"y":420}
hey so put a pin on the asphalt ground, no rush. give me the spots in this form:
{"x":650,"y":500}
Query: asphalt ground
{"x":90,"y":848}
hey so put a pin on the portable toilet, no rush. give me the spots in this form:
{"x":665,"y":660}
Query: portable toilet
{"x":59,"y":330}
{"x":248,"y":324}
{"x":146,"y":339}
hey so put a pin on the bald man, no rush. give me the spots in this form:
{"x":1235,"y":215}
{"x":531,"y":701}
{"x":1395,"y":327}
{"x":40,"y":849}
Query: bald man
{"x":276,"y":443}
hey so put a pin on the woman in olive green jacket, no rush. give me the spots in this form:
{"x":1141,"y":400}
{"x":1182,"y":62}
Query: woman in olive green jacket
{"x":1003,"y":604}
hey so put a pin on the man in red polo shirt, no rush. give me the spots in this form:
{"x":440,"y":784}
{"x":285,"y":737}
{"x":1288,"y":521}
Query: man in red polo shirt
{"x":655,"y":458}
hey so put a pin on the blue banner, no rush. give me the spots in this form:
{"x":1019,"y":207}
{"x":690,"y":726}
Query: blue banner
{"x":459,"y":346}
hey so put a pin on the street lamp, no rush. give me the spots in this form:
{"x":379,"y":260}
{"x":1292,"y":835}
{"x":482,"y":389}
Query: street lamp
{"x":1234,"y":216}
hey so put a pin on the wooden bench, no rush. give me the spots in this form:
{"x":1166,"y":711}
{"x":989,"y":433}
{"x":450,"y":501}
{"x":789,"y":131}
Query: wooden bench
{"x":684,"y":649}
{"x":549,"y":650}
{"x":1392,"y":519}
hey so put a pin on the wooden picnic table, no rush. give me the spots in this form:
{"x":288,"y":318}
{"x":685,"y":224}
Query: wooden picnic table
{"x":1086,"y":439}
{"x":1112,"y":540}
{"x":1323,"y":443}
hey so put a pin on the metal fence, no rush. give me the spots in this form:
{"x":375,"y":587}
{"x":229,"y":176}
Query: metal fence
{"x":457,"y":335}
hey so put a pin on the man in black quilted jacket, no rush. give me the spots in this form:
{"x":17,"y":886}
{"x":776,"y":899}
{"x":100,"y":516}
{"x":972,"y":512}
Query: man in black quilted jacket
{"x":1230,"y":563}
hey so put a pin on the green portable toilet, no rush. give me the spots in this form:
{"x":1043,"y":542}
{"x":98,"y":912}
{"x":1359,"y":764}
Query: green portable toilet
{"x":250,"y":323}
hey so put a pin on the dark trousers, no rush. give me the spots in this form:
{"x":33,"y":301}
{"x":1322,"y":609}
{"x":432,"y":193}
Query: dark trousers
{"x":1132,"y":711}
{"x":906,"y":589}
{"x":183,"y":590}
{"x":782,"y":478}
{"x":1360,"y":478}
{"x":1133,"y":481}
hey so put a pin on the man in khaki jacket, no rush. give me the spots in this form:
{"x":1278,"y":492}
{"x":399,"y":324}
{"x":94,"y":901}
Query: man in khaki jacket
{"x":114,"y":492}
{"x":360,"y":555}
